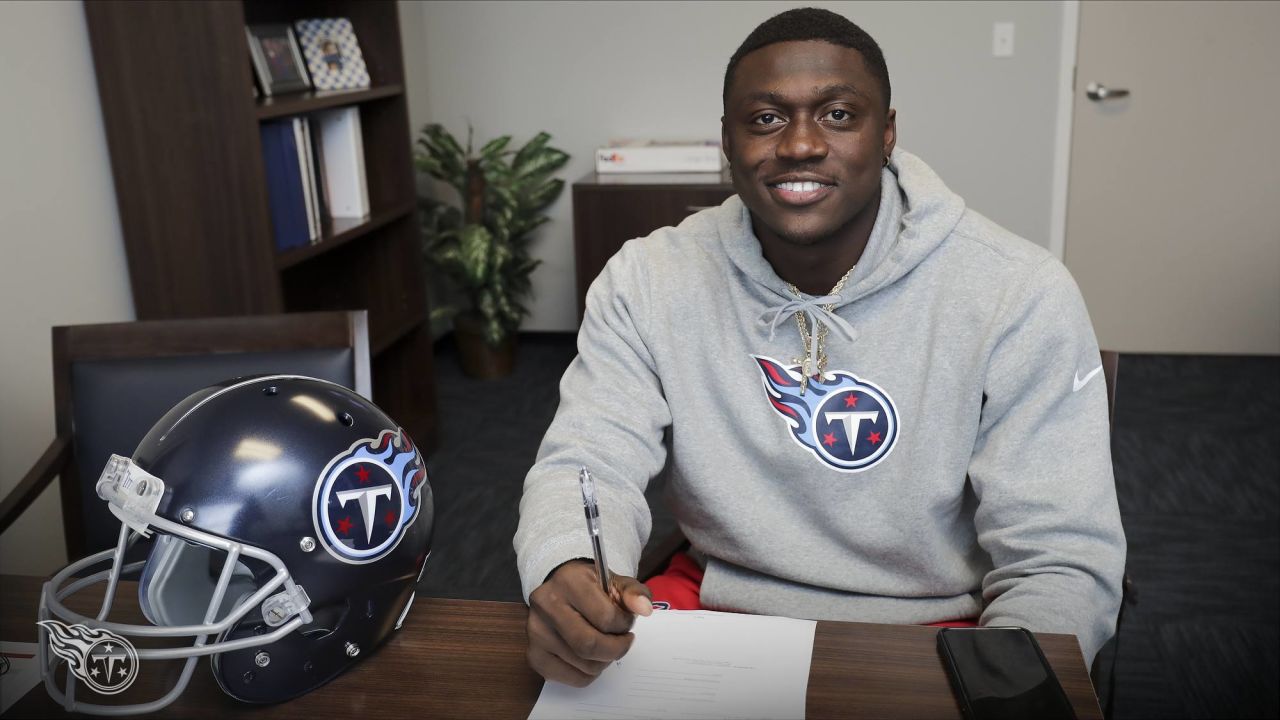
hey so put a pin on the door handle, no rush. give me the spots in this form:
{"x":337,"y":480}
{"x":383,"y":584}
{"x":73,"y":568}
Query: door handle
{"x":1098,"y":93}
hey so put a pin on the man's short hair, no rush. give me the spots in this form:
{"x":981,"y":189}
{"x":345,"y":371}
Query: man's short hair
{"x":813,"y":24}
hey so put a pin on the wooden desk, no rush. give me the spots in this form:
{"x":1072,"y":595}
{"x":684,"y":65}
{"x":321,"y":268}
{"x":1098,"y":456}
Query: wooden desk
{"x":465,"y":659}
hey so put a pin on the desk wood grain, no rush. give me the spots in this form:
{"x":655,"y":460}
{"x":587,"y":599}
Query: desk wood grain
{"x":465,"y":659}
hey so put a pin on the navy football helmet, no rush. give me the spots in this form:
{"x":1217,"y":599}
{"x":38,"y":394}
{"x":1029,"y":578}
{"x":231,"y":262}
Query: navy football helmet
{"x":284,"y":522}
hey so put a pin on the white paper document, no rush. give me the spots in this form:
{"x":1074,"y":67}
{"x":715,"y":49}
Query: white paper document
{"x":696,"y":664}
{"x":19,"y":671}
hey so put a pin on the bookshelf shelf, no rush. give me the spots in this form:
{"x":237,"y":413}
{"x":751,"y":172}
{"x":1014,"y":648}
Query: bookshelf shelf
{"x":192,"y":189}
{"x":299,"y":103}
{"x":396,"y":333}
{"x":340,"y":231}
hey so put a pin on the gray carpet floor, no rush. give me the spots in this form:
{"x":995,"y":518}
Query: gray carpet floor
{"x":1197,"y":458}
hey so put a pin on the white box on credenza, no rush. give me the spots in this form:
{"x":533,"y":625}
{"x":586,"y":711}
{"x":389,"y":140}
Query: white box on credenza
{"x":342,"y":149}
{"x":656,"y":156}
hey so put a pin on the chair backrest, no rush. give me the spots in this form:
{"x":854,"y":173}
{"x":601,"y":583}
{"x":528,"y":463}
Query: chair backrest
{"x":1110,"y":366}
{"x":112,"y":382}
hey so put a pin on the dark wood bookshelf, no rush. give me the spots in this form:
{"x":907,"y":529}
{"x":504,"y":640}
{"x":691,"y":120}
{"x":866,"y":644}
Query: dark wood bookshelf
{"x":395,"y":334}
{"x":311,"y":101}
{"x":182,"y":127}
{"x":338,"y":231}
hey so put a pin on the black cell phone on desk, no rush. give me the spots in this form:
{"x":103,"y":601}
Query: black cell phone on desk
{"x":1000,"y":673}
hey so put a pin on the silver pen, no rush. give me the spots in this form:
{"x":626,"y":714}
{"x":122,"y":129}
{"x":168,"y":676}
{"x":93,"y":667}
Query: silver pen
{"x":592,"y":510}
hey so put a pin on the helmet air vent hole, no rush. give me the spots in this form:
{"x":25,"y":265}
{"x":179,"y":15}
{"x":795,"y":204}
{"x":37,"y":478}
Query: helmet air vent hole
{"x":347,"y":419}
{"x":270,"y":390}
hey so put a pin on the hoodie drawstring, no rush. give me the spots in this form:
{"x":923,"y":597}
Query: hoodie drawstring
{"x":813,"y":310}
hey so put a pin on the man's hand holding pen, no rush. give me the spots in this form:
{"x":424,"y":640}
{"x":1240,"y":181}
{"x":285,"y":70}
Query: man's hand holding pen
{"x":575,"y":630}
{"x":580,"y":617}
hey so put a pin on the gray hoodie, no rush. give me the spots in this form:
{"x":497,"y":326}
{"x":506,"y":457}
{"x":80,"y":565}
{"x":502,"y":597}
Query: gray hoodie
{"x":953,"y":461}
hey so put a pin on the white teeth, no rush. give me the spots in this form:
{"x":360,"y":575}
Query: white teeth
{"x":800,"y":186}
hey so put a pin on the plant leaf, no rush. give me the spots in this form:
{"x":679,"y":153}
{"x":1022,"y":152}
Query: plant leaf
{"x":444,"y":312}
{"x":543,"y":162}
{"x":444,"y":149}
{"x":474,"y":250}
{"x":543,"y":196}
{"x":531,"y":148}
{"x":494,"y":147}
{"x":431,"y":166}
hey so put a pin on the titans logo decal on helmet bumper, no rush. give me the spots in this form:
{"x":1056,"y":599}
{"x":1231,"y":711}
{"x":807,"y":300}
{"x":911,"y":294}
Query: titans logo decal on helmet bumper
{"x":366,"y":497}
{"x":848,"y":423}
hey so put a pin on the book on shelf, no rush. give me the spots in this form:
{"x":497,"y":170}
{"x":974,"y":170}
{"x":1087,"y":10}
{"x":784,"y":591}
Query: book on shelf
{"x":317,"y":168}
{"x":346,"y":192}
{"x":286,"y":196}
{"x":658,"y":156}
{"x":302,"y":138}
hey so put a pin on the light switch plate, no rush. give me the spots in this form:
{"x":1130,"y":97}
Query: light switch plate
{"x":1002,"y":39}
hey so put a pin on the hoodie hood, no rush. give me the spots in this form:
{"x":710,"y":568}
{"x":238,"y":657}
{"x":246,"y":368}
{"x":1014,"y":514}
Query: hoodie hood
{"x":917,"y":212}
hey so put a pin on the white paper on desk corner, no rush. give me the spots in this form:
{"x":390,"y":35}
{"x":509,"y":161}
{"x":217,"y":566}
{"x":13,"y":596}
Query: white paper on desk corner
{"x":21,"y":672}
{"x":696,"y":664}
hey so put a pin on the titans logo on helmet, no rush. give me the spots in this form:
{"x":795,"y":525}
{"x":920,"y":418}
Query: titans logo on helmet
{"x":847,"y":423}
{"x":366,"y":497}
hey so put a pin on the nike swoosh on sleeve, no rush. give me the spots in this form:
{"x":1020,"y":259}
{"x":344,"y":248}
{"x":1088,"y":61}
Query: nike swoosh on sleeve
{"x":1081,"y":383}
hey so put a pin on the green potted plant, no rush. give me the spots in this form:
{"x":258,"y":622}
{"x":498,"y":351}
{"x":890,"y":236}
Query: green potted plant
{"x":483,"y":248}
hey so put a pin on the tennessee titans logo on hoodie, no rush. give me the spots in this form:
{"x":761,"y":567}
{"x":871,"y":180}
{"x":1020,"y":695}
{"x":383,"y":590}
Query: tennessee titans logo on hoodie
{"x":847,"y":423}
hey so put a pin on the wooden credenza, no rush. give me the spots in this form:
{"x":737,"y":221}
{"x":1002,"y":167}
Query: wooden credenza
{"x":609,"y":210}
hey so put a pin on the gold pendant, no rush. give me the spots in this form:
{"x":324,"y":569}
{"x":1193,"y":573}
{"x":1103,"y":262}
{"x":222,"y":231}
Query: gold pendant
{"x":806,"y":365}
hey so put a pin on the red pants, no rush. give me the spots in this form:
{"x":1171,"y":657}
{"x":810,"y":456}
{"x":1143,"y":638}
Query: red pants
{"x":679,"y":587}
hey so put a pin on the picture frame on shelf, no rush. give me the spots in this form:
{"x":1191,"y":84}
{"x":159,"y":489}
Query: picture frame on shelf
{"x":277,"y":59}
{"x":332,"y":53}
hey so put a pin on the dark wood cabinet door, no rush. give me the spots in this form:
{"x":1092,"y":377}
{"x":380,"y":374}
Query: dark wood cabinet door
{"x":606,"y":215}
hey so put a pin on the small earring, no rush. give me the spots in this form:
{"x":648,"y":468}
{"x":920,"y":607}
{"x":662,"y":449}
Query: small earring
{"x":886,"y":161}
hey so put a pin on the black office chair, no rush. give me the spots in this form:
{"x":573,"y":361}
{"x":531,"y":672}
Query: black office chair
{"x":112,"y":382}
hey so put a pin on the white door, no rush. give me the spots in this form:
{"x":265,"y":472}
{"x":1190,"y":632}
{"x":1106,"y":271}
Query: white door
{"x":1173,"y":211}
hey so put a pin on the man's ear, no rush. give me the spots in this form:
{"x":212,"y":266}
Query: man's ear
{"x":724,"y":139}
{"x":890,"y":132}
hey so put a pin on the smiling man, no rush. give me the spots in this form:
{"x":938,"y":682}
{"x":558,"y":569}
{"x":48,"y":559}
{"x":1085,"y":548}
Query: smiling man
{"x":873,"y":403}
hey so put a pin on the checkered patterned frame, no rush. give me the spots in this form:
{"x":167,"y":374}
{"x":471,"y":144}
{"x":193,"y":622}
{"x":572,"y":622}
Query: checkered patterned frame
{"x":312,"y":35}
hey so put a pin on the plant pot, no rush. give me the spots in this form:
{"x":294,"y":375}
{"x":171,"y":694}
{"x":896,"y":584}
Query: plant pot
{"x":477,"y":357}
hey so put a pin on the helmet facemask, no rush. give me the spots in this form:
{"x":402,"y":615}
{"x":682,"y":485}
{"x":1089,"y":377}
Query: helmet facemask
{"x":176,"y":592}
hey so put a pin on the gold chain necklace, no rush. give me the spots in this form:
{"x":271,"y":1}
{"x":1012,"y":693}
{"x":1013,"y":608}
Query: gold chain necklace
{"x":814,"y":366}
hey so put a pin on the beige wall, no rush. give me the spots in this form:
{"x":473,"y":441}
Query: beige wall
{"x":61,"y":256}
{"x":413,"y":27}
{"x":587,"y":72}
